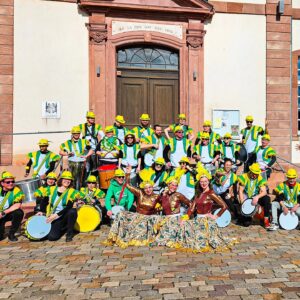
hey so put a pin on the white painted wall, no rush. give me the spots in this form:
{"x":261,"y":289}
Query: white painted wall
{"x":50,"y":63}
{"x":235,"y":66}
{"x":296,"y":3}
{"x":246,"y":1}
{"x":295,"y":35}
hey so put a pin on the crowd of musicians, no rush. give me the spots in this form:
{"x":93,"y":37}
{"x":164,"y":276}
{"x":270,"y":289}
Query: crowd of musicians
{"x":163,"y":189}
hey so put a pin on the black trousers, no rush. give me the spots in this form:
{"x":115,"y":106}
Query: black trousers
{"x":63,"y":224}
{"x":15,"y":217}
{"x":230,"y":203}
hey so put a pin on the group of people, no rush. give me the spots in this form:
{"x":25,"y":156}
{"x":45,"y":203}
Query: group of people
{"x":165,"y":190}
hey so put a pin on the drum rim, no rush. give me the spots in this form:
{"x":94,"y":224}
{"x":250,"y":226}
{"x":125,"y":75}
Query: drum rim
{"x":28,"y":234}
{"x":228,"y":213}
{"x":250,"y":214}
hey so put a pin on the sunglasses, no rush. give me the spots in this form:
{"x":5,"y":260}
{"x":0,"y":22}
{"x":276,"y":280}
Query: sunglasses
{"x":205,"y":139}
{"x":9,"y":182}
{"x":91,"y":182}
{"x":249,"y":122}
{"x":159,"y":165}
{"x":183,"y":163}
{"x":226,"y":138}
{"x":122,"y":177}
{"x":130,"y":137}
{"x":179,"y":131}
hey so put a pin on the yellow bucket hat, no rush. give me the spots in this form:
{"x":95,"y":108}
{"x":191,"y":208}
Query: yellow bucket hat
{"x":119,"y":173}
{"x":66,"y":175}
{"x":6,"y":175}
{"x":182,"y":116}
{"x":145,"y":117}
{"x":184,"y":159}
{"x":109,"y":129}
{"x":177,"y":128}
{"x":90,"y":114}
{"x":160,"y":161}
{"x":75,"y":129}
{"x":120,"y":119}
{"x":51,"y":175}
{"x":266,"y":137}
{"x":91,"y":178}
{"x":204,"y":135}
{"x":249,"y":118}
{"x":255,"y":168}
{"x":227,"y":135}
{"x":291,"y":173}
{"x":43,"y":142}
{"x":207,"y":123}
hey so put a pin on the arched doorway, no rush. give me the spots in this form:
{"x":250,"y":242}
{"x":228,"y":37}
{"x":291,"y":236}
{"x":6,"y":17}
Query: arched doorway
{"x":147,"y":82}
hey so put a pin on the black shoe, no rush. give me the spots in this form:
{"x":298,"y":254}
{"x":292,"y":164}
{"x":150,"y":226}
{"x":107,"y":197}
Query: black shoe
{"x":69,"y":238}
{"x":12,"y":237}
{"x":1,"y":237}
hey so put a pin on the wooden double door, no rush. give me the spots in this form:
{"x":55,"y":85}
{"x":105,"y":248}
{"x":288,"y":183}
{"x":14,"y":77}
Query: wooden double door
{"x":147,"y":91}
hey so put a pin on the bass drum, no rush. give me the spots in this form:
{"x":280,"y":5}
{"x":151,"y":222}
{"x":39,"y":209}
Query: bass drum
{"x":242,"y":153}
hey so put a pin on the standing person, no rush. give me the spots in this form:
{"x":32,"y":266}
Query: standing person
{"x":265,"y":155}
{"x":153,"y":145}
{"x":42,"y":161}
{"x":250,"y":135}
{"x":252,"y":185}
{"x":213,"y":136}
{"x":287,"y":198}
{"x":57,"y":204}
{"x":187,"y":130}
{"x":119,"y":128}
{"x":11,"y":198}
{"x":176,"y":148}
{"x":144,"y":129}
{"x":108,"y":148}
{"x":93,"y":133}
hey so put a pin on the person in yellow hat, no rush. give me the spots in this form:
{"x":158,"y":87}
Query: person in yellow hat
{"x":207,"y":153}
{"x":57,"y":204}
{"x":176,"y":148}
{"x":11,"y":198}
{"x":153,"y":146}
{"x":119,"y":128}
{"x":287,"y":198}
{"x":265,"y":156}
{"x":213,"y":136}
{"x":42,"y":161}
{"x":108,"y":148}
{"x":250,"y":135}
{"x":253,"y":186}
{"x":144,"y":129}
{"x":188,"y":131}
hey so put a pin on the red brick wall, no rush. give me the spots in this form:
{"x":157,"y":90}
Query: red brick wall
{"x":6,"y":79}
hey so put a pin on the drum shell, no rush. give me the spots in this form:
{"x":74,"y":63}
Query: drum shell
{"x":106,"y":173}
{"x":242,"y":153}
{"x":28,"y":187}
{"x":77,"y":170}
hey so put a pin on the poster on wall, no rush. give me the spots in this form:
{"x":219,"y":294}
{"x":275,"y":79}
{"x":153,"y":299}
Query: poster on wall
{"x":227,"y":121}
{"x":51,"y":110}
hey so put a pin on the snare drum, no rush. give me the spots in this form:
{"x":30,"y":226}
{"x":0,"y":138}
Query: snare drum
{"x":88,"y":219}
{"x":28,"y":187}
{"x":288,"y":221}
{"x":106,"y":173}
{"x":36,"y":227}
{"x":225,"y":219}
{"x":115,"y":210}
{"x":76,"y":166}
{"x":247,"y":209}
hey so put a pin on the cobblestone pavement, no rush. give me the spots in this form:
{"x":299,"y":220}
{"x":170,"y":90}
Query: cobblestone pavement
{"x":264,"y":265}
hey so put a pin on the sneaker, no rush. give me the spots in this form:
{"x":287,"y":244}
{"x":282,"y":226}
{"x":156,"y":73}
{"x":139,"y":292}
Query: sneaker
{"x":69,"y":238}
{"x":267,"y":224}
{"x":273,"y":227}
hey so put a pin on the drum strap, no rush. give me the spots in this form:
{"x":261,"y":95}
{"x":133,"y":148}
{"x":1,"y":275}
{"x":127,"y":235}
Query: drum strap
{"x":58,"y":201}
{"x":122,"y":192}
{"x":41,"y":164}
{"x":4,"y":201}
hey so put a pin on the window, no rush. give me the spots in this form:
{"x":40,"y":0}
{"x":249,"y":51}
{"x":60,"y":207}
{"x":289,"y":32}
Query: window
{"x":296,"y":94}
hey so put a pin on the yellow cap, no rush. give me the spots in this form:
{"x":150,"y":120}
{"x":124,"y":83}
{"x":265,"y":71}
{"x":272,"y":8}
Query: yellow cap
{"x":109,"y":129}
{"x":90,"y":114}
{"x":160,"y":161}
{"x":204,"y":135}
{"x":129,"y":132}
{"x":51,"y":175}
{"x":207,"y":123}
{"x":66,"y":175}
{"x":291,"y":173}
{"x":266,"y":137}
{"x":172,"y":179}
{"x":249,"y":118}
{"x":120,"y":119}
{"x":255,"y":168}
{"x":119,"y":173}
{"x":147,"y":182}
{"x":75,"y":129}
{"x":227,"y":135}
{"x":91,"y":178}
{"x":6,"y":175}
{"x":145,"y":117}
{"x":177,"y":128}
{"x":182,"y":116}
{"x":43,"y":142}
{"x":184,"y":159}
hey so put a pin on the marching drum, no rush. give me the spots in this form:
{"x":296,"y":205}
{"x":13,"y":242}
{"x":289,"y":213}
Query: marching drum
{"x":225,"y":219}
{"x":210,"y":168}
{"x":28,"y":187}
{"x":115,"y":210}
{"x":36,"y":227}
{"x":106,"y":173}
{"x":88,"y":219}
{"x":247,"y":209}
{"x":242,"y":153}
{"x":76,"y":167}
{"x":288,"y":221}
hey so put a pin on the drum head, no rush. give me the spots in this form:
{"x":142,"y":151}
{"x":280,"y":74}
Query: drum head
{"x":37,"y":228}
{"x":289,"y":221}
{"x":116,"y":209}
{"x":76,"y":159}
{"x":242,"y":153}
{"x":88,"y":218}
{"x":225,"y":219}
{"x":247,"y":208}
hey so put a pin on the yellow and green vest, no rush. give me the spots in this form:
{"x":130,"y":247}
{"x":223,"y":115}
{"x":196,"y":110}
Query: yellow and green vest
{"x":84,"y":133}
{"x":212,"y":148}
{"x":139,"y":130}
{"x":233,"y":146}
{"x":96,"y":194}
{"x":252,"y":133}
{"x":267,"y":154}
{"x":80,"y":146}
{"x":252,"y":187}
{"x":136,"y":149}
{"x":291,"y":197}
{"x":172,"y":143}
{"x":35,"y":156}
{"x":13,"y":197}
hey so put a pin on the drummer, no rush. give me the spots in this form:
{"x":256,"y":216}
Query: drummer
{"x":188,"y":131}
{"x":253,"y":186}
{"x":119,"y":128}
{"x":108,"y":148}
{"x":144,"y":129}
{"x":57,"y":203}
{"x":214,"y":138}
{"x":287,"y":198}
{"x":11,"y":198}
{"x":38,"y":194}
{"x":42,"y":161}
{"x":118,"y":191}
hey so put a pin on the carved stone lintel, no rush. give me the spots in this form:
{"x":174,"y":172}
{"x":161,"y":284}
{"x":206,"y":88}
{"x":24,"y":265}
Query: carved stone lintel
{"x":194,"y":38}
{"x":97,"y":33}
